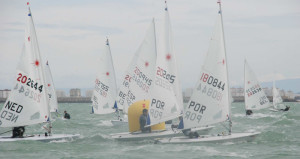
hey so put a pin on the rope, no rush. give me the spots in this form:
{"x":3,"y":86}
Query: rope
{"x":6,"y":132}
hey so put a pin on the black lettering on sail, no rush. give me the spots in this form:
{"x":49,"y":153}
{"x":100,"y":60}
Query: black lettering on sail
{"x":13,"y":106}
{"x":8,"y":104}
{"x":19,"y":109}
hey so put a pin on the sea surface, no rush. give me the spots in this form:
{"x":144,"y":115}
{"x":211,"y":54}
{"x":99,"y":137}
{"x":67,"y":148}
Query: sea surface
{"x":280,"y":138}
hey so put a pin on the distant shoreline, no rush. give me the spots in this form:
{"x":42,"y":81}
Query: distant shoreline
{"x":67,"y":100}
{"x":185,"y":99}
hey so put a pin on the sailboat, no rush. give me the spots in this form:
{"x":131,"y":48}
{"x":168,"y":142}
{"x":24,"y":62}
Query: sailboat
{"x":255,"y":97}
{"x":166,"y":101}
{"x":277,"y":100}
{"x":139,"y":76}
{"x":166,"y":97}
{"x":28,"y":103}
{"x":105,"y":90}
{"x":53,"y":104}
{"x":210,"y":102}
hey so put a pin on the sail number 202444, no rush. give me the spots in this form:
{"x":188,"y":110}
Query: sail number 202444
{"x":29,"y":82}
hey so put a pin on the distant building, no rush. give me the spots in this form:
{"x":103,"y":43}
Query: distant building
{"x":89,"y":93}
{"x":290,"y":95}
{"x":268,"y":91}
{"x":237,"y":92}
{"x":297,"y":97}
{"x":282,"y":93}
{"x":60,"y":93}
{"x":75,"y":92}
{"x":5,"y":93}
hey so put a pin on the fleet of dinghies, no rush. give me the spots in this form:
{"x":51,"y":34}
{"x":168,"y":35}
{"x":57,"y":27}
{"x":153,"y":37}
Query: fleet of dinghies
{"x":29,"y":103}
{"x":163,"y":85}
{"x":150,"y":82}
{"x":210,"y":102}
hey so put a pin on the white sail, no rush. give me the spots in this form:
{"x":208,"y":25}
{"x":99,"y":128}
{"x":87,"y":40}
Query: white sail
{"x":51,"y":89}
{"x":166,"y":102}
{"x":255,"y":97}
{"x":139,"y":77}
{"x":105,"y":90}
{"x":28,"y":101}
{"x":209,"y":102}
{"x":277,"y":100}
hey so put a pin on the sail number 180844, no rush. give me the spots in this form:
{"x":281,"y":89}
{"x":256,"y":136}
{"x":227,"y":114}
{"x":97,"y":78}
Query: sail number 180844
{"x":212,"y":81}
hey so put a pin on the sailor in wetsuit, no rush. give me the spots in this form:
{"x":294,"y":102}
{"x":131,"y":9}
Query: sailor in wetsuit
{"x":18,"y":132}
{"x":249,"y":112}
{"x":143,"y":122}
{"x":66,"y":115}
{"x":286,"y":108}
{"x":186,"y":132}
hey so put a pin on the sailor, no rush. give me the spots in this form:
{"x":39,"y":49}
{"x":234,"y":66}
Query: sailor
{"x":191,"y":134}
{"x":286,"y":108}
{"x":249,"y":112}
{"x":18,"y":132}
{"x":66,"y":115}
{"x":187,"y":132}
{"x":143,"y":122}
{"x":178,"y":126}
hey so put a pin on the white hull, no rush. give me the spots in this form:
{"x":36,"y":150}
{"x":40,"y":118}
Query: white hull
{"x":211,"y":139}
{"x":273,"y":110}
{"x":40,"y":138}
{"x":119,"y":122}
{"x":156,"y":134}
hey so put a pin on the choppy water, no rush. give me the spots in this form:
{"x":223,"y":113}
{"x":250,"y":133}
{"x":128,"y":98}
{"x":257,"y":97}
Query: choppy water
{"x":280,"y":138}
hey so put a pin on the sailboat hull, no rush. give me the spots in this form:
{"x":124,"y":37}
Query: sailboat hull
{"x":119,"y":122}
{"x":210,"y":139}
{"x":53,"y":137}
{"x":273,"y":110}
{"x":156,"y":134}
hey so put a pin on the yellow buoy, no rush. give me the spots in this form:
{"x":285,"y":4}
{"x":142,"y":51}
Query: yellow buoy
{"x":135,"y":111}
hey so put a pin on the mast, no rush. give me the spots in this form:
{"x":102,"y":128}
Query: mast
{"x":229,"y":103}
{"x":113,"y":72}
{"x":178,"y":90}
{"x":154,"y":36}
{"x":245,"y":84}
{"x":43,"y":76}
{"x":274,"y":91}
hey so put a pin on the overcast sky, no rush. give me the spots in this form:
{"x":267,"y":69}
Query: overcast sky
{"x":71,"y":35}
